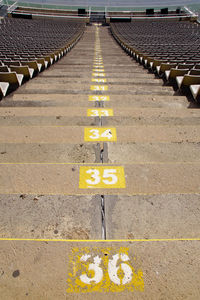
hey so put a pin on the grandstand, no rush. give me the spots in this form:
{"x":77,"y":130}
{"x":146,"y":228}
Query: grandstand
{"x":99,"y":150}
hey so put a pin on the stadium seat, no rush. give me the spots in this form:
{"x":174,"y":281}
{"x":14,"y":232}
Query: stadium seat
{"x":12,"y":78}
{"x":195,"y":90}
{"x":3,"y":88}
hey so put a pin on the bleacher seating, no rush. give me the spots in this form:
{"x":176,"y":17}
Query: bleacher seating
{"x":169,"y":49}
{"x":27,"y":47}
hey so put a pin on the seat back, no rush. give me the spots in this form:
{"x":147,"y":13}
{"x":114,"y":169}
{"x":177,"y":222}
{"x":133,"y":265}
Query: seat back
{"x":190,"y":80}
{"x":177,"y":72}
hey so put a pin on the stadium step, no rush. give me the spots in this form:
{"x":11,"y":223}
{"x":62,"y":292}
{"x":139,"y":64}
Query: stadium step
{"x":98,"y":170}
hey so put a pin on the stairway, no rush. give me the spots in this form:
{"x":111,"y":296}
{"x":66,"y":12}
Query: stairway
{"x":99,"y":164}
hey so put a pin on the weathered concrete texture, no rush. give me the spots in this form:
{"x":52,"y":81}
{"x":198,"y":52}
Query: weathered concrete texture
{"x":148,"y":101}
{"x":153,"y":152}
{"x":152,"y":217}
{"x":73,"y":75}
{"x":87,"y":79}
{"x":158,"y":134}
{"x":43,"y":135}
{"x":50,"y":217}
{"x":46,"y":100}
{"x":151,"y":120}
{"x":56,"y":120}
{"x":133,"y":101}
{"x":49,"y":153}
{"x":40,"y":270}
{"x":81,"y":88}
{"x":43,"y":112}
{"x":154,"y":112}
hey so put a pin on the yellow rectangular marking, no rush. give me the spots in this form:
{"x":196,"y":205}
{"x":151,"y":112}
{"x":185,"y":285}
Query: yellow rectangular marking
{"x":104,"y":270}
{"x":98,"y":74}
{"x":98,"y":87}
{"x":99,"y":80}
{"x":99,"y":98}
{"x":95,"y":66}
{"x":100,"y":112}
{"x":107,"y":177}
{"x":99,"y":70}
{"x":103,"y":134}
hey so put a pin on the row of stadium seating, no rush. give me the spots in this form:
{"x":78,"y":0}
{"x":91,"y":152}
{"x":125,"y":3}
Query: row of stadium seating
{"x":28,"y":47}
{"x":170,"y":49}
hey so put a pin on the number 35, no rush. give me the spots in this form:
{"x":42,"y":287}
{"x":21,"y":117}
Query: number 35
{"x":108,"y":177}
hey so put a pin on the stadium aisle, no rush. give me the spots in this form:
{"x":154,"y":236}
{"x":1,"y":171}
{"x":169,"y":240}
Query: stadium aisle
{"x":99,"y":169}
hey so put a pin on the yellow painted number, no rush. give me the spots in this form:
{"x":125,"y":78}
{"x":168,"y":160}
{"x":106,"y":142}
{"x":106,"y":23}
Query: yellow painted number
{"x":99,"y":87}
{"x":98,"y":74}
{"x":99,"y":112}
{"x":99,"y":80}
{"x":99,"y":98}
{"x":101,"y":177}
{"x":100,"y":134}
{"x":92,"y":271}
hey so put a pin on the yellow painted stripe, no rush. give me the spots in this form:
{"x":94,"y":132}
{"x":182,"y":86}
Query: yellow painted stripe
{"x":116,"y":194}
{"x":101,"y":241}
{"x":106,"y":164}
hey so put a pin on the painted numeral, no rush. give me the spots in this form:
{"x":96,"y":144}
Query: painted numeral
{"x":98,"y":66}
{"x":99,"y":98}
{"x":100,"y":134}
{"x":99,"y":88}
{"x":101,"y":177}
{"x":98,"y":70}
{"x":93,"y":271}
{"x":98,"y":74}
{"x":99,"y":112}
{"x":99,"y":80}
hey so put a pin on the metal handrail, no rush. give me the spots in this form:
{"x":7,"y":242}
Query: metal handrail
{"x":12,"y":7}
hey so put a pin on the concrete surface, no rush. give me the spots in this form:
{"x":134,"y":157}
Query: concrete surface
{"x":42,"y":151}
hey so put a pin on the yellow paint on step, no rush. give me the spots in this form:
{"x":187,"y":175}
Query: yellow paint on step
{"x":108,"y":269}
{"x":100,"y":112}
{"x":98,"y":74}
{"x":105,"y":177}
{"x":98,"y":87}
{"x":99,"y":98}
{"x":99,"y":80}
{"x":104,"y":134}
{"x":98,"y":67}
{"x":98,"y":70}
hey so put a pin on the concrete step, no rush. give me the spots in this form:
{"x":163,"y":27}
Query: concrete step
{"x":152,"y":216}
{"x":151,"y":120}
{"x":158,"y":268}
{"x":51,"y":217}
{"x":81,"y":88}
{"x":141,"y":179}
{"x":119,"y":112}
{"x":56,"y":120}
{"x":88,"y":79}
{"x":75,"y":134}
{"x":49,"y":153}
{"x":130,"y":152}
